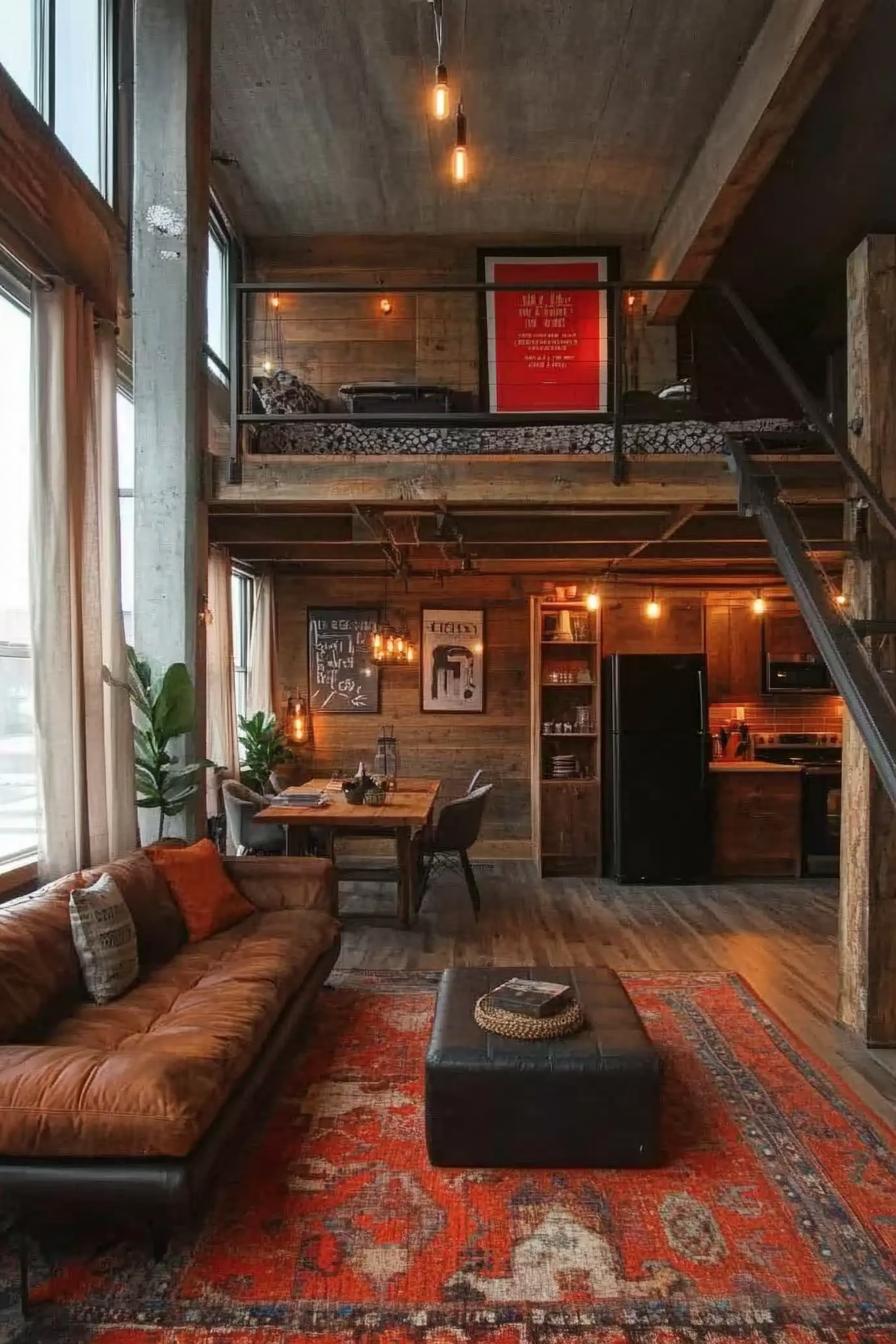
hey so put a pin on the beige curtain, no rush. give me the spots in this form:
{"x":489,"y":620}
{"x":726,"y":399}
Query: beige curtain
{"x":262,"y":691}
{"x":84,"y":738}
{"x":222,"y":747}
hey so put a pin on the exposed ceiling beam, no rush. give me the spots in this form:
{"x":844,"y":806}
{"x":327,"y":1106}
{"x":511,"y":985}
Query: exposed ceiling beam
{"x":783,"y":70}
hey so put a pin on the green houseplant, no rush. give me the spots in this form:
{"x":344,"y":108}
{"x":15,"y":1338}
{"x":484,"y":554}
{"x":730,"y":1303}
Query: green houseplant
{"x":264,"y":746}
{"x":163,"y":709}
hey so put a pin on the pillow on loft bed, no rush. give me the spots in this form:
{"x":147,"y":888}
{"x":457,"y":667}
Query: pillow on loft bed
{"x":284,"y":394}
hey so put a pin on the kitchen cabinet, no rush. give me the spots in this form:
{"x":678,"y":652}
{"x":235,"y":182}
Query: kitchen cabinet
{"x":733,"y":652}
{"x":756,"y":820}
{"x":626,"y":629}
{"x":787,"y":635}
{"x":570,"y":826}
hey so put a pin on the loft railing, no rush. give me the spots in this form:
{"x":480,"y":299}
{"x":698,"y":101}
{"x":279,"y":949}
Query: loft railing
{"x":717,"y":358}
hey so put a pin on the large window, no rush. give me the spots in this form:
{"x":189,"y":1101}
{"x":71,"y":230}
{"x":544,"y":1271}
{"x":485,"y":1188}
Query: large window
{"x":241,"y":600}
{"x":125,"y":417}
{"x":218,"y":296}
{"x":59,"y":52}
{"x":18,"y":769}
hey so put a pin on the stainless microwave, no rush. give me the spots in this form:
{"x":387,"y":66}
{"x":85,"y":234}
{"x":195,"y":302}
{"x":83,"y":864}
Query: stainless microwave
{"x":796,"y":672}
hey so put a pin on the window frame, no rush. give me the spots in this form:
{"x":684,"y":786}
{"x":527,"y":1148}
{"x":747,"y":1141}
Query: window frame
{"x":246,"y":581}
{"x":44,"y":99}
{"x":20,"y":867}
{"x":220,"y":230}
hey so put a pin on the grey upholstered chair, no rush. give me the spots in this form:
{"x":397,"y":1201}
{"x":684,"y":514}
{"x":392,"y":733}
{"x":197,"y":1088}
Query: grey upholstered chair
{"x":246,"y":835}
{"x":456,"y":831}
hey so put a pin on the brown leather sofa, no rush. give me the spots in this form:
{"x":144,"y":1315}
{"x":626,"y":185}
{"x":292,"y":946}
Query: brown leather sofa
{"x":130,"y":1105}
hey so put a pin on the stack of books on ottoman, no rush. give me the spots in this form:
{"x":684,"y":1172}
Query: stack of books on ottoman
{"x":531,"y":998}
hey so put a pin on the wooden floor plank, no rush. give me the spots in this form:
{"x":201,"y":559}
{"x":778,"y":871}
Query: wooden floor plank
{"x":781,"y":936}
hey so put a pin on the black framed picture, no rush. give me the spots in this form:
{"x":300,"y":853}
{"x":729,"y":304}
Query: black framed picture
{"x":546,"y":350}
{"x":452,"y":660}
{"x":342,"y":676}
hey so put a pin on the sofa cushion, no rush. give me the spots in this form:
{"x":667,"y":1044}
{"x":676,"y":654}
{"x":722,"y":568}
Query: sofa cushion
{"x":105,"y":939}
{"x":208,"y":900}
{"x":40,"y":975}
{"x":159,"y":923}
{"x":145,"y":1075}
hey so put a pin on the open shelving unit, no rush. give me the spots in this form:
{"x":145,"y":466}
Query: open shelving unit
{"x":565,"y":722}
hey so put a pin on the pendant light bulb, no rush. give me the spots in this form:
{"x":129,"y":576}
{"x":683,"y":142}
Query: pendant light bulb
{"x":592,"y":600}
{"x":653,"y":611}
{"x":440,"y":103}
{"x":840,"y":599}
{"x":759,"y":605}
{"x":459,"y":165}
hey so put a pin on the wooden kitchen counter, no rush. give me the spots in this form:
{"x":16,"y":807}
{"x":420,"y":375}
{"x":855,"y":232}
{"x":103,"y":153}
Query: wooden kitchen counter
{"x":753,"y":767}
{"x":757,"y":819}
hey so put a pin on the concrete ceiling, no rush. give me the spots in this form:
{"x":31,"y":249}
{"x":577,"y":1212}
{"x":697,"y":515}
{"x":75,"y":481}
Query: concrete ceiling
{"x":583,"y":114}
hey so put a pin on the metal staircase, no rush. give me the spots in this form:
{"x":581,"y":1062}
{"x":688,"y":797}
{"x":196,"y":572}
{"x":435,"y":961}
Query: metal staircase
{"x":840,"y":640}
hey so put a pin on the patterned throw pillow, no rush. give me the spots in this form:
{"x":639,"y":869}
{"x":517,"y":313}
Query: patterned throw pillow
{"x":285,"y":394}
{"x":105,"y":939}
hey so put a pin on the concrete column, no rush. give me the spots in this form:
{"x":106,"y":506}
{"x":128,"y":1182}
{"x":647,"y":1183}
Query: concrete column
{"x":170,"y":229}
{"x":867,"y":991}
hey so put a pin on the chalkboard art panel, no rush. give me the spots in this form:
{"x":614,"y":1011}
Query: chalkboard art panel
{"x":452,"y":661}
{"x":342,"y":676}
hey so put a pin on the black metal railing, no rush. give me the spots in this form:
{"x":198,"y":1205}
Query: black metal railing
{"x":721,"y":367}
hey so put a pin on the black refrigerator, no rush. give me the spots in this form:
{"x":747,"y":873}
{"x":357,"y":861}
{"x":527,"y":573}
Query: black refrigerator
{"x":656,"y":752}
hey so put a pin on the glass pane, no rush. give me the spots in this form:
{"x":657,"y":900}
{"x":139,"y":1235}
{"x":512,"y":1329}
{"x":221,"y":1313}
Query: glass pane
{"x":15,"y":337}
{"x":18,"y":766}
{"x":239,"y":625}
{"x":216,"y":298}
{"x":17,"y":43}
{"x":126,"y":524}
{"x":124,"y":408}
{"x":76,"y":115}
{"x":18,"y":776}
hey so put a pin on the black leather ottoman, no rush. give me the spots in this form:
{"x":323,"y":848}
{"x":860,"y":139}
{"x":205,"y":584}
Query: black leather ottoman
{"x":589,"y":1100}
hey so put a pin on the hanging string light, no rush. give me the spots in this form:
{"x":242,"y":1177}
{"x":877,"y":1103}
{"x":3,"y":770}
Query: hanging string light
{"x":388,"y":643}
{"x":272,"y":357}
{"x":440,"y":101}
{"x":759,"y":605}
{"x":459,"y":164}
{"x":653,"y":611}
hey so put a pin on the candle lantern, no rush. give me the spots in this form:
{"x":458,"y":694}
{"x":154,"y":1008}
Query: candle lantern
{"x":386,"y":760}
{"x":297,"y":720}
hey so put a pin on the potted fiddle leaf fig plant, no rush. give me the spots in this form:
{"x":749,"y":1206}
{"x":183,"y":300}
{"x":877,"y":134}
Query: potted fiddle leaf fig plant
{"x":264,"y":747}
{"x":164,"y":709}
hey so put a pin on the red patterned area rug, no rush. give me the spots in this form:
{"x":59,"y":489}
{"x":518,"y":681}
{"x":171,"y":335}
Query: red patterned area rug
{"x":772,"y":1220}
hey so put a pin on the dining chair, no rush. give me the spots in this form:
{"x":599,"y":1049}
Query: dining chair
{"x":246,"y":835}
{"x":474,"y":782}
{"x":456,"y":831}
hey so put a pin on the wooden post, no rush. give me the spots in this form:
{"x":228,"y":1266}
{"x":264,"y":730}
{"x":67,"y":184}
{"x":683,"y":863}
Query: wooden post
{"x":170,"y":241}
{"x":867,"y":992}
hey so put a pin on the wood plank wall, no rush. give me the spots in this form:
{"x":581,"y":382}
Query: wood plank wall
{"x":332,"y":339}
{"x":454,"y":746}
{"x":450,"y":746}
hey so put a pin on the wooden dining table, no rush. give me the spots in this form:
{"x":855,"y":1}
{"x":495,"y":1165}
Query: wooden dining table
{"x":406,"y":811}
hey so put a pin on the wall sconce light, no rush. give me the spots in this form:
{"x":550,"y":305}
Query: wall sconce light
{"x":297,"y":719}
{"x":759,"y":605}
{"x":653,"y":611}
{"x":385,"y":307}
{"x":477,"y":647}
{"x":267,"y":365}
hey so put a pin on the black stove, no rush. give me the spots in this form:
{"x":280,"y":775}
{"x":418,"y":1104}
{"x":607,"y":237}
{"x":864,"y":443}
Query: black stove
{"x":809,"y":749}
{"x":819,"y":754}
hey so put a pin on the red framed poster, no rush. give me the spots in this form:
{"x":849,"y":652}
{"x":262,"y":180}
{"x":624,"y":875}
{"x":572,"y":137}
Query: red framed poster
{"x":547,"y":346}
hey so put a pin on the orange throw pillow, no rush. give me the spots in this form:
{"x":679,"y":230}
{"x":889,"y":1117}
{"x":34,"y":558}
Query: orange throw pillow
{"x":205,"y":895}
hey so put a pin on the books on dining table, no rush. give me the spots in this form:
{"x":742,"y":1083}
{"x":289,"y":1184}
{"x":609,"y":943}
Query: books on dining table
{"x":312,"y":799}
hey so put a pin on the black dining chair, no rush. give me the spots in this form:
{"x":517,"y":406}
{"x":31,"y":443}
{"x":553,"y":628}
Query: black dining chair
{"x":456,"y":831}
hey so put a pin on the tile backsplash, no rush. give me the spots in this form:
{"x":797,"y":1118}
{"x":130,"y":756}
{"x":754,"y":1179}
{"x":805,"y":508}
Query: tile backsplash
{"x":796,"y":713}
